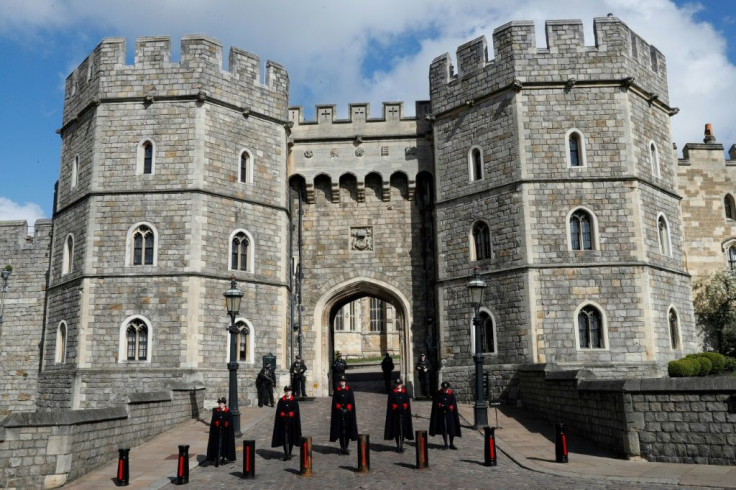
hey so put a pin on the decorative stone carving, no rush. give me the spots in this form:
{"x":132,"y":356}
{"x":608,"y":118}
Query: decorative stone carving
{"x":359,"y":152}
{"x":361,"y":239}
{"x":334,"y":153}
{"x":308,"y":154}
{"x":410,"y":151}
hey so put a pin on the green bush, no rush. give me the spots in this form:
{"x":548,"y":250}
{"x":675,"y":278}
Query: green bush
{"x":705,"y":365}
{"x":717,"y":360}
{"x":730,"y":363}
{"x":682,"y":368}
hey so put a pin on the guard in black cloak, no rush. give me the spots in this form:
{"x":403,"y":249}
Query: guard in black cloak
{"x":221,"y":443}
{"x":344,"y":424}
{"x":423,"y":369}
{"x":398,"y":416}
{"x":444,"y":418}
{"x":265,"y":382}
{"x":287,"y":426}
{"x":387,"y":366}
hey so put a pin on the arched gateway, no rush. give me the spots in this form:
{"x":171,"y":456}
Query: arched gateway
{"x":342,"y":294}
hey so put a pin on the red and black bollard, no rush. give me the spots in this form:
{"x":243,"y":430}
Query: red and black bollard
{"x":422,"y":450}
{"x":490,"y":446}
{"x":123,"y":478}
{"x":249,"y":459}
{"x":305,"y":459}
{"x":560,"y":443}
{"x":364,"y":453}
{"x":182,"y":467}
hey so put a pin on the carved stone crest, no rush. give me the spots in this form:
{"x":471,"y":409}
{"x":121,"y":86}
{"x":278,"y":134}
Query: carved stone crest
{"x":359,"y":152}
{"x":334,"y":153}
{"x":308,"y":154}
{"x":361,"y":239}
{"x":410,"y":151}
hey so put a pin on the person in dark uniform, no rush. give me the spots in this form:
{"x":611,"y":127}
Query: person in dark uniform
{"x":398,"y":416}
{"x":444,"y":418}
{"x":265,"y":382}
{"x":387,"y":366}
{"x":221,"y":443}
{"x":338,"y":371}
{"x":423,"y":369}
{"x":298,"y":379}
{"x":344,"y":422}
{"x":287,"y":426}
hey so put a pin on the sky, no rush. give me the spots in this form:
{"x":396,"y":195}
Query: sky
{"x":336,"y":52}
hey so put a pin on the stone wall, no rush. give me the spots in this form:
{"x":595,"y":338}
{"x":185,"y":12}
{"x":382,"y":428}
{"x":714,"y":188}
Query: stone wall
{"x":47,"y":449}
{"x":24,"y":305}
{"x":674,"y":420}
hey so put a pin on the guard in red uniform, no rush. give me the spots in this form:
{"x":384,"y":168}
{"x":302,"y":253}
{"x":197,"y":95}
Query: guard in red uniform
{"x":344,"y":424}
{"x":287,"y":426}
{"x":398,"y":416}
{"x":444,"y":418}
{"x":221,"y":443}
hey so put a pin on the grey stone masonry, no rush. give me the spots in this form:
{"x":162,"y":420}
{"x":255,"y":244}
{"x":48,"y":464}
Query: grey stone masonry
{"x":23,"y":304}
{"x":675,"y":420}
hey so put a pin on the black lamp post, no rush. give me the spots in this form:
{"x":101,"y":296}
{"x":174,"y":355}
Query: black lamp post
{"x":233,"y":296}
{"x":476,"y":286}
{"x":5,"y":274}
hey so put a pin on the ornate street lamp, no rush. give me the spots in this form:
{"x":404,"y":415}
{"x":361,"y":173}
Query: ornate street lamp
{"x":5,"y":274}
{"x":233,"y":296}
{"x":476,"y":286}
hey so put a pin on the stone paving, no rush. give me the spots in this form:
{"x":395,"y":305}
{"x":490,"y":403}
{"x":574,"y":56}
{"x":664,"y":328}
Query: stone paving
{"x":454,"y":469}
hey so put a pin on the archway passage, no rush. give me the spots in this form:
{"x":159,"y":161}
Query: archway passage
{"x":363,"y":332}
{"x":364,"y":319}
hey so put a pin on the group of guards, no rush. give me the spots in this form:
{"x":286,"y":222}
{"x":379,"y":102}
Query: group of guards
{"x":444,"y":418}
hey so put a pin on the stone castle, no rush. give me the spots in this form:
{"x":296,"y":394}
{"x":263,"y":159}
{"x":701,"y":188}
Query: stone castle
{"x":549,"y":169}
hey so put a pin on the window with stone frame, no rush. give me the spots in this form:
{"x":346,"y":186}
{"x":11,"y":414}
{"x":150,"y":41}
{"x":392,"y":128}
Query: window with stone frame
{"x":340,"y":320}
{"x":482,"y":241}
{"x":487,"y":333}
{"x":144,"y":243}
{"x":730,"y":207}
{"x":581,"y":231}
{"x":590,"y":328}
{"x":75,"y":172}
{"x":674,"y":329}
{"x":147,"y":157}
{"x":67,"y":259}
{"x":350,"y":313}
{"x":573,"y":142}
{"x":136,"y":335}
{"x":664,"y":237}
{"x":60,"y":351}
{"x":732,"y":257}
{"x":378,"y":315}
{"x":243,"y":341}
{"x":244,"y":170}
{"x":475,"y":164}
{"x":654,"y":159}
{"x":239,"y":251}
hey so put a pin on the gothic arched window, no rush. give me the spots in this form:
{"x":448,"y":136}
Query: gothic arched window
{"x":581,"y":231}
{"x":487,"y":332}
{"x":136,"y":336}
{"x":590,"y":328}
{"x":143,"y":245}
{"x":674,"y":329}
{"x":729,"y":206}
{"x":664,"y":237}
{"x":482,"y":241}
{"x":574,"y":144}
{"x":239,"y":252}
{"x":67,"y":261}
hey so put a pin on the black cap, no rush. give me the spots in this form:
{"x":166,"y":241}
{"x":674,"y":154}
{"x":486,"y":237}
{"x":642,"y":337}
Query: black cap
{"x":398,"y":382}
{"x":445,"y":384}
{"x":287,"y":388}
{"x":222,"y":399}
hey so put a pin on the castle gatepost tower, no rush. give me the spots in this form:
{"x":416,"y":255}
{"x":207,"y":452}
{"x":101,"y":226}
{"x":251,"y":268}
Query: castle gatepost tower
{"x":173,"y":179}
{"x":555,"y":176}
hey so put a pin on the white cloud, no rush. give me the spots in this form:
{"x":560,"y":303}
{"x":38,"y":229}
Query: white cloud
{"x":323,"y":45}
{"x":12,"y":211}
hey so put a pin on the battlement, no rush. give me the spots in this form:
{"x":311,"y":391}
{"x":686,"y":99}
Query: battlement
{"x":18,"y":235}
{"x":618,"y":53}
{"x":104,"y":74}
{"x":359,"y":122}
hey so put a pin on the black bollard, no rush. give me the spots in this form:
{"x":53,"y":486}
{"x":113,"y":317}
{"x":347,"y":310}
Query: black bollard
{"x":364,"y":454}
{"x":305,"y":461}
{"x":490,"y":447}
{"x":249,"y":459}
{"x":560,"y":443}
{"x":123,"y":468}
{"x":182,"y":468}
{"x":422,"y":450}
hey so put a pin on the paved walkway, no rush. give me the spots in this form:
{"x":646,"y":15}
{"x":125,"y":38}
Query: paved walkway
{"x":526,"y":458}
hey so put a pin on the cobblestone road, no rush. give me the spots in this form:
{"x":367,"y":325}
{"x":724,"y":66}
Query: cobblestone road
{"x":450,"y":469}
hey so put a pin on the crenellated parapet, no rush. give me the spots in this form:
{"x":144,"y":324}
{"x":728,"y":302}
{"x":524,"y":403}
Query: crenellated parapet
{"x":619,"y":56}
{"x":360,"y":146}
{"x":199,"y":76}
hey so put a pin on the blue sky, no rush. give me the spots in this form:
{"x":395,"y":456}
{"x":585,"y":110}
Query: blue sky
{"x":336,"y":51}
